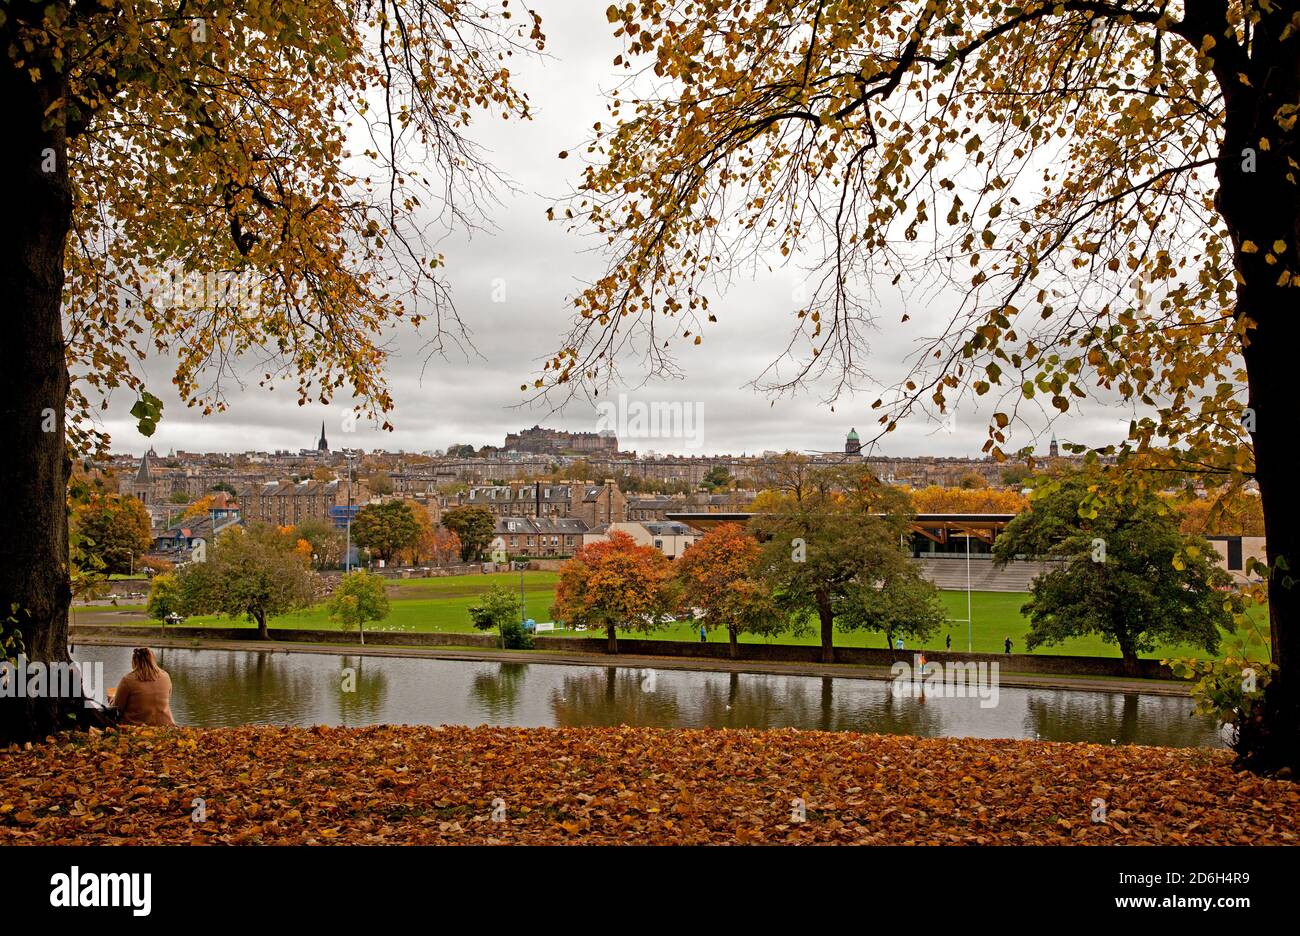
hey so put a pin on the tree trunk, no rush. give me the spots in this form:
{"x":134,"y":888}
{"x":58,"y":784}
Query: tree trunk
{"x":1130,"y":660}
{"x":735,"y":643}
{"x":34,"y":580}
{"x":827,"y":619}
{"x":262,"y":632}
{"x":1260,"y":205}
{"x":611,"y":637}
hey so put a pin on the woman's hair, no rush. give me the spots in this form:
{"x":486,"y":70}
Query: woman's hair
{"x":143,"y":665}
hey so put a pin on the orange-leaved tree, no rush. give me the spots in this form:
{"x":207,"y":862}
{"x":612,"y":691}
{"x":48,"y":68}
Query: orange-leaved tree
{"x":614,"y":583}
{"x":1107,"y":190}
{"x":216,"y":179}
{"x":935,"y":499}
{"x":717,"y":577}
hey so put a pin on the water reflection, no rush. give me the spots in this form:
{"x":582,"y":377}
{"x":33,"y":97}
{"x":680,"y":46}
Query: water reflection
{"x":1114,"y":718}
{"x":497,"y":692}
{"x":218,"y":687}
{"x":363,"y":688}
{"x":613,"y":696}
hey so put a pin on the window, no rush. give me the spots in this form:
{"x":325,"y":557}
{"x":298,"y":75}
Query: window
{"x":1234,"y":554}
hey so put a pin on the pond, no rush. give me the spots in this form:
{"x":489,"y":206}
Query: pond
{"x":223,"y":687}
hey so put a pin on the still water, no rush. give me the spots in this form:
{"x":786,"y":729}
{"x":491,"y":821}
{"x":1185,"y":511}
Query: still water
{"x":220,"y":687}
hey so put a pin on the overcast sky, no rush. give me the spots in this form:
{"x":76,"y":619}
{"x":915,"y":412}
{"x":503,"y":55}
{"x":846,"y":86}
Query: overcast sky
{"x":458,"y":399}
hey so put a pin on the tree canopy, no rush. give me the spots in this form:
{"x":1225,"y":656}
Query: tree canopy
{"x":474,"y":526}
{"x":357,"y":599}
{"x":387,"y":528}
{"x":256,"y":573}
{"x":113,"y":530}
{"x":841,"y":534}
{"x":718,"y":577}
{"x":1127,"y":573}
{"x":614,"y":584}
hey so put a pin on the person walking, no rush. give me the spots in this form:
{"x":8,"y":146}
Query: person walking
{"x":704,"y":636}
{"x":1006,"y":645}
{"x":947,"y":643}
{"x":144,"y":694}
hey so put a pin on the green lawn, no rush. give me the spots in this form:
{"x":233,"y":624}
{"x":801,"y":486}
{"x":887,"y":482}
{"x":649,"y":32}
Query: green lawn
{"x":441,"y":605}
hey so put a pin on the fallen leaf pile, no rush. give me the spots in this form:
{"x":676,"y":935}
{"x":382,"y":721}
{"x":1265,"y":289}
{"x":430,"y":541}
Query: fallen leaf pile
{"x":388,"y":784}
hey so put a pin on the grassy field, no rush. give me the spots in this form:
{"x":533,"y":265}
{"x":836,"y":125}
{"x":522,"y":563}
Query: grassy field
{"x":441,"y":605}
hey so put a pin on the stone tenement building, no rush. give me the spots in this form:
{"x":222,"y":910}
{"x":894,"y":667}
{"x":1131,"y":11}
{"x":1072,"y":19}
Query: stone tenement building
{"x":287,"y":503}
{"x":557,"y":442}
{"x":544,"y":537}
{"x":656,"y":507}
{"x":594,"y":502}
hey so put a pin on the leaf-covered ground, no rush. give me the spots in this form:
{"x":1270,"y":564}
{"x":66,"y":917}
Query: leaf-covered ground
{"x":603,"y":785}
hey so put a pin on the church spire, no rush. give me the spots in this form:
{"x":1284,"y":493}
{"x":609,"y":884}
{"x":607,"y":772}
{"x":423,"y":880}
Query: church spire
{"x":322,"y":445}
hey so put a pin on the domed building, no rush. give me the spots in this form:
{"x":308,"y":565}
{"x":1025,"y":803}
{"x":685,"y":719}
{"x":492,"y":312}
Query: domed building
{"x":852,"y":444}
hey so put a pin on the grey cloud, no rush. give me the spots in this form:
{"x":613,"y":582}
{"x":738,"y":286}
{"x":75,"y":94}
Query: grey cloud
{"x":472,"y":398}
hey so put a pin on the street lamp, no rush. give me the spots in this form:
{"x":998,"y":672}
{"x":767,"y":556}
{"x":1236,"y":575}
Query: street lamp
{"x":347,"y":555}
{"x":523,"y":607}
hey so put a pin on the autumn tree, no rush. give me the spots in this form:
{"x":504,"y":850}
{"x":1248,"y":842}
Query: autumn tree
{"x":1230,"y":513}
{"x":500,"y":608}
{"x":165,"y":597}
{"x":114,"y":530}
{"x":358,"y":599}
{"x":386,"y":528}
{"x":256,"y":573}
{"x":1109,"y":190}
{"x":717,"y":478}
{"x":844,"y":532}
{"x":445,"y":547}
{"x":901,"y":604}
{"x":325,"y":540}
{"x":474,"y":526}
{"x":935,"y":499}
{"x":218,"y":182}
{"x":614,"y":583}
{"x":203,"y":506}
{"x":717,"y":577}
{"x":1126,"y":573}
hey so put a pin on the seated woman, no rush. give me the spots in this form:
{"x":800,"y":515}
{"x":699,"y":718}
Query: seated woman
{"x":144,"y":694}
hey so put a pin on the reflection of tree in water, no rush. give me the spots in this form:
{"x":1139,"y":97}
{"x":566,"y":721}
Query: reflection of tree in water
{"x":823,"y":704}
{"x":497,"y":691}
{"x":752,"y":700}
{"x":1127,"y":718}
{"x":211,"y":688}
{"x":614,"y":696}
{"x":874,"y":708}
{"x":365,"y":705}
